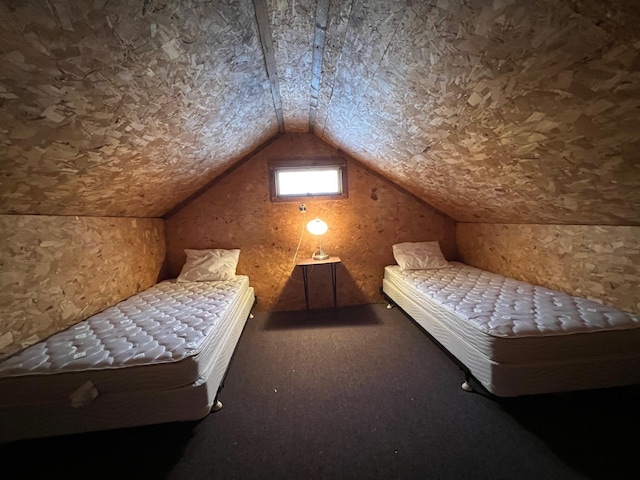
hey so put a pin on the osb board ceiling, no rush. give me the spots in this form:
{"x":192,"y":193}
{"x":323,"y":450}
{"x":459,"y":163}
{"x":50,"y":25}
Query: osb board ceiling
{"x":125,"y":108}
{"x":292,"y":26}
{"x":512,"y":111}
{"x":493,"y":111}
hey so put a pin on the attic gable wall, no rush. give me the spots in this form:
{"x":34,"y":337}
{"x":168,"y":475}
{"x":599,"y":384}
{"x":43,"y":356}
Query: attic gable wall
{"x":237,"y":212}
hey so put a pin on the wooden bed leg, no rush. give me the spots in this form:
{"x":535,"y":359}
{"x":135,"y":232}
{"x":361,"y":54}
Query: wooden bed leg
{"x":217,"y":406}
{"x":251,"y":315}
{"x":389,"y":306}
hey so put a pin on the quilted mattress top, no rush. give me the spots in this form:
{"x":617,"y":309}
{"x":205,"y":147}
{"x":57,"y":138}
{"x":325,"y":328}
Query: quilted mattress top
{"x":505,"y":307}
{"x":165,"y":323}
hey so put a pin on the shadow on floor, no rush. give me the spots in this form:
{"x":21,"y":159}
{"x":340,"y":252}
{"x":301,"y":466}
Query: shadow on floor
{"x":596,"y":431}
{"x":140,"y":452}
{"x":360,"y":315}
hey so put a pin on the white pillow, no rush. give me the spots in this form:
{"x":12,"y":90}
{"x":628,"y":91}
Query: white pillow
{"x":419,"y":256}
{"x":209,"y":265}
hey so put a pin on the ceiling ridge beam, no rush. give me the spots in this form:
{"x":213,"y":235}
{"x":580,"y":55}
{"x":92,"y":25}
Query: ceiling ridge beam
{"x":264,"y":27}
{"x":319,"y":38}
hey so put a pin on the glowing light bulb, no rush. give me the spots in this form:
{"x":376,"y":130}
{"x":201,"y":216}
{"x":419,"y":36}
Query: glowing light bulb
{"x":317,"y":227}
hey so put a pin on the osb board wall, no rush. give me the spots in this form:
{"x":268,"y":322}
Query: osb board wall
{"x":597,"y":262}
{"x":237,"y":213}
{"x":125,"y":108}
{"x":505,"y":111}
{"x":57,"y":271}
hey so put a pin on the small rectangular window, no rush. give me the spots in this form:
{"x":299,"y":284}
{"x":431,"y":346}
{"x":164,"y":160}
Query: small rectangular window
{"x":295,"y":179}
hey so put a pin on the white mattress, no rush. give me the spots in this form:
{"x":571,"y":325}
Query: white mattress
{"x":166,"y":337}
{"x":91,"y":409}
{"x":505,"y":318}
{"x":518,"y":338}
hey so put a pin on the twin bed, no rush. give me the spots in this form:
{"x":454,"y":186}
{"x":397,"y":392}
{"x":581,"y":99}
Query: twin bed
{"x":159,"y":356}
{"x":515,"y":338}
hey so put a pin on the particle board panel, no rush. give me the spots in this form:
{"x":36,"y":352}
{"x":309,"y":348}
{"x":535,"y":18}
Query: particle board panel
{"x":292,"y":28}
{"x":371,"y":28}
{"x":125,"y":108}
{"x":597,"y":262}
{"x":264,"y":25}
{"x":338,"y":18}
{"x":319,"y":39}
{"x":507,"y":111}
{"x":57,"y":271}
{"x":237,"y":213}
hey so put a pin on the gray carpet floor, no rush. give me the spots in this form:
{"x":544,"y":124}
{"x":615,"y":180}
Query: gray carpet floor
{"x":361,"y":393}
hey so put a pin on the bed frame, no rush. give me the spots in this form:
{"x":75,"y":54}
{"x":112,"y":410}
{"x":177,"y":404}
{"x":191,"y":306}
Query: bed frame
{"x":467,"y":384}
{"x":136,"y":405}
{"x":517,"y":377}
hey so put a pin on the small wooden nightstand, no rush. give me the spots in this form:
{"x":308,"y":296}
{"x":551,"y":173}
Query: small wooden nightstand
{"x":305,"y":263}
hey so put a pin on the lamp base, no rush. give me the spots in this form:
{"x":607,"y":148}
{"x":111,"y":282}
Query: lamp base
{"x":319,"y":255}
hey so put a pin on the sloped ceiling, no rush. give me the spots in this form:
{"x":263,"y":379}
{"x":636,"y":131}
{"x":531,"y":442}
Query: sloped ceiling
{"x":124,"y":108}
{"x":513,"y":111}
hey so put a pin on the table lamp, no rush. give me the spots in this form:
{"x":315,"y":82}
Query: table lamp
{"x":319,"y":228}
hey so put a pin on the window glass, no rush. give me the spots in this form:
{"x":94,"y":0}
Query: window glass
{"x":298,"y":179}
{"x":309,"y":181}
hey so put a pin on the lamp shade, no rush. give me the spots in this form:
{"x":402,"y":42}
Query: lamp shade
{"x":317,"y":227}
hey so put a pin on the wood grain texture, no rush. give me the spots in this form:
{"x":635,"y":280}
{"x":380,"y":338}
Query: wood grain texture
{"x":57,"y":271}
{"x":597,"y":262}
{"x":237,"y":213}
{"x":126,"y":108}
